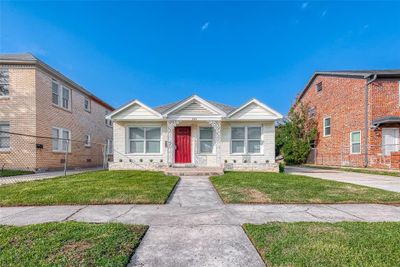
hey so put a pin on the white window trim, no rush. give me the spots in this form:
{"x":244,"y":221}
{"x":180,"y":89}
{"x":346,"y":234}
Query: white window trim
{"x":212,"y":140}
{"x":89,"y":109}
{"x":330,"y":126}
{"x":89,"y":139}
{"x":245,"y":152}
{"x":128,"y":141}
{"x":60,"y":139}
{"x":60,"y":95}
{"x":6,"y":149}
{"x":351,"y":143}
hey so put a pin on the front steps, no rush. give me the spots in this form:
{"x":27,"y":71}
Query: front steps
{"x":194,"y":171}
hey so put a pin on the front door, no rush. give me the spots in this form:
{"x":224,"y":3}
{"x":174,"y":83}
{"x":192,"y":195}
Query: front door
{"x":183,"y":144}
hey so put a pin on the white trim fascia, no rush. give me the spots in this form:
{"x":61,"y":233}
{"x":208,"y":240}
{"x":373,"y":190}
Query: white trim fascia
{"x":195,"y":117}
{"x":199,"y":99}
{"x":137,"y":102}
{"x":257,"y":102}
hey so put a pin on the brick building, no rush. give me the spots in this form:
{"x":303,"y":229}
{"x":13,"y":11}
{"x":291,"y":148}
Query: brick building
{"x":48,"y":114}
{"x":358,"y":117}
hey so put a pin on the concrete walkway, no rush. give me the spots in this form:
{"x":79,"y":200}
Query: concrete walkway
{"x":195,"y":228}
{"x":385,"y":182}
{"x":40,"y":176}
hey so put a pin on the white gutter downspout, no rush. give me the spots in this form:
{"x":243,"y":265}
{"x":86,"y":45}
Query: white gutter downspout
{"x":366,"y":128}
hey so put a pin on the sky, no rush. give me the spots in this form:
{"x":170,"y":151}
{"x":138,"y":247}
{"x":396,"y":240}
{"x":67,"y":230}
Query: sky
{"x":229,"y":52}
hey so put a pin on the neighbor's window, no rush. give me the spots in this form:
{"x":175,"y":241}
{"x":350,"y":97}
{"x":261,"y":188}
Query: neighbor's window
{"x":390,"y":140}
{"x":206,"y":140}
{"x":61,"y":95}
{"x":86,"y":104}
{"x":88,"y":141}
{"x":61,"y":139}
{"x":109,"y":148}
{"x":311,"y":112}
{"x":355,"y":142}
{"x":107,"y":121}
{"x":144,"y":140}
{"x":4,"y":136}
{"x":246,"y":140}
{"x":56,"y":93}
{"x":327,"y":126}
{"x":4,"y":82}
{"x":66,"y":97}
{"x":318,"y":87}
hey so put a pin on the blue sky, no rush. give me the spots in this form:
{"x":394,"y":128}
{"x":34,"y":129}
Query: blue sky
{"x":160,"y":52}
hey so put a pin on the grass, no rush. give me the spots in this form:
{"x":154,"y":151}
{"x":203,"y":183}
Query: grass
{"x":258,"y":187}
{"x":327,"y":244}
{"x":69,"y":244}
{"x":5,"y":172}
{"x":100,"y":187}
{"x":359,"y":170}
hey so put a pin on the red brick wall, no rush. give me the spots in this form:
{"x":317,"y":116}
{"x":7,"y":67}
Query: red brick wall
{"x":342,"y":99}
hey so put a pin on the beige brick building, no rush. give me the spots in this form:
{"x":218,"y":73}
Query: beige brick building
{"x":47,"y":114}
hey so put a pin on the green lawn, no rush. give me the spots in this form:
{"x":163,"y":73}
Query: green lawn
{"x":327,"y":244}
{"x":5,"y":172}
{"x":100,"y":187}
{"x":69,"y":244}
{"x":359,"y":170}
{"x":257,"y":187}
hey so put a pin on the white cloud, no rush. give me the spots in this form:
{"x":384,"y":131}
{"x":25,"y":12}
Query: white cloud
{"x":323,"y":13}
{"x":205,"y":26}
{"x":304,"y":5}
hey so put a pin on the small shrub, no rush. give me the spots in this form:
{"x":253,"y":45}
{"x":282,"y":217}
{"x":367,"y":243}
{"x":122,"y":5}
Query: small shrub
{"x":161,"y":160}
{"x":234,"y":161}
{"x":141,"y":160}
{"x":281,"y":167}
{"x":120,"y":160}
{"x":226,"y":161}
{"x":245,"y":161}
{"x":151,"y":160}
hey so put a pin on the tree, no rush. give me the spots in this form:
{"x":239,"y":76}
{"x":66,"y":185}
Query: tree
{"x":295,"y":136}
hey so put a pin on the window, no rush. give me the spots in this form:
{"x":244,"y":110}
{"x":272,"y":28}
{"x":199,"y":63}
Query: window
{"x":4,"y":82}
{"x":109,"y":148}
{"x":355,"y":142}
{"x":206,"y":140}
{"x":4,"y":136}
{"x":144,"y":140}
{"x":61,"y":139}
{"x":107,"y":121}
{"x":61,"y":95}
{"x":66,"y":96}
{"x":327,"y":126}
{"x":318,"y":87}
{"x":88,"y":141}
{"x":56,"y":93}
{"x":390,"y":140}
{"x":254,"y":140}
{"x":311,"y":112}
{"x":246,"y":140}
{"x":86,"y":104}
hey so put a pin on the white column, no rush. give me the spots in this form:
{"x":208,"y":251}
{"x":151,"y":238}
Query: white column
{"x":217,"y":129}
{"x":171,"y":124}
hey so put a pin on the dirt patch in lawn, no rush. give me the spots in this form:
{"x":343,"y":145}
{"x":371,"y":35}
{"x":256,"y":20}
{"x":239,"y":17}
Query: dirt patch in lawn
{"x":255,"y":196}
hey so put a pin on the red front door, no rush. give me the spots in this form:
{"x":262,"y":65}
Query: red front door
{"x":183,"y":145}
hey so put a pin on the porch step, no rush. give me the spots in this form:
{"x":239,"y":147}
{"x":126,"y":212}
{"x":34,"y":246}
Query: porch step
{"x":202,"y":171}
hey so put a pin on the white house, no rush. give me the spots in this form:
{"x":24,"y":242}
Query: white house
{"x":194,"y":132}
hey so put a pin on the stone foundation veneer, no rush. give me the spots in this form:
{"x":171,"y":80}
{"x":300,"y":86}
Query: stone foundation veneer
{"x":156,"y":166}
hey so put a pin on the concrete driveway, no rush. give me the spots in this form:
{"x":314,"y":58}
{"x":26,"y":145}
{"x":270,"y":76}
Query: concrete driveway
{"x":385,"y":182}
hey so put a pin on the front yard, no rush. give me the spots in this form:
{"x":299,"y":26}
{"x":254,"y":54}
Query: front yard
{"x":257,"y":187}
{"x":100,"y":187}
{"x":69,"y":244}
{"x":327,"y":244}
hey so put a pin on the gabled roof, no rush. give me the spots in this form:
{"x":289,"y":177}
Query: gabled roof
{"x":360,"y":74}
{"x":219,"y":110}
{"x":27,"y":58}
{"x":257,"y":102}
